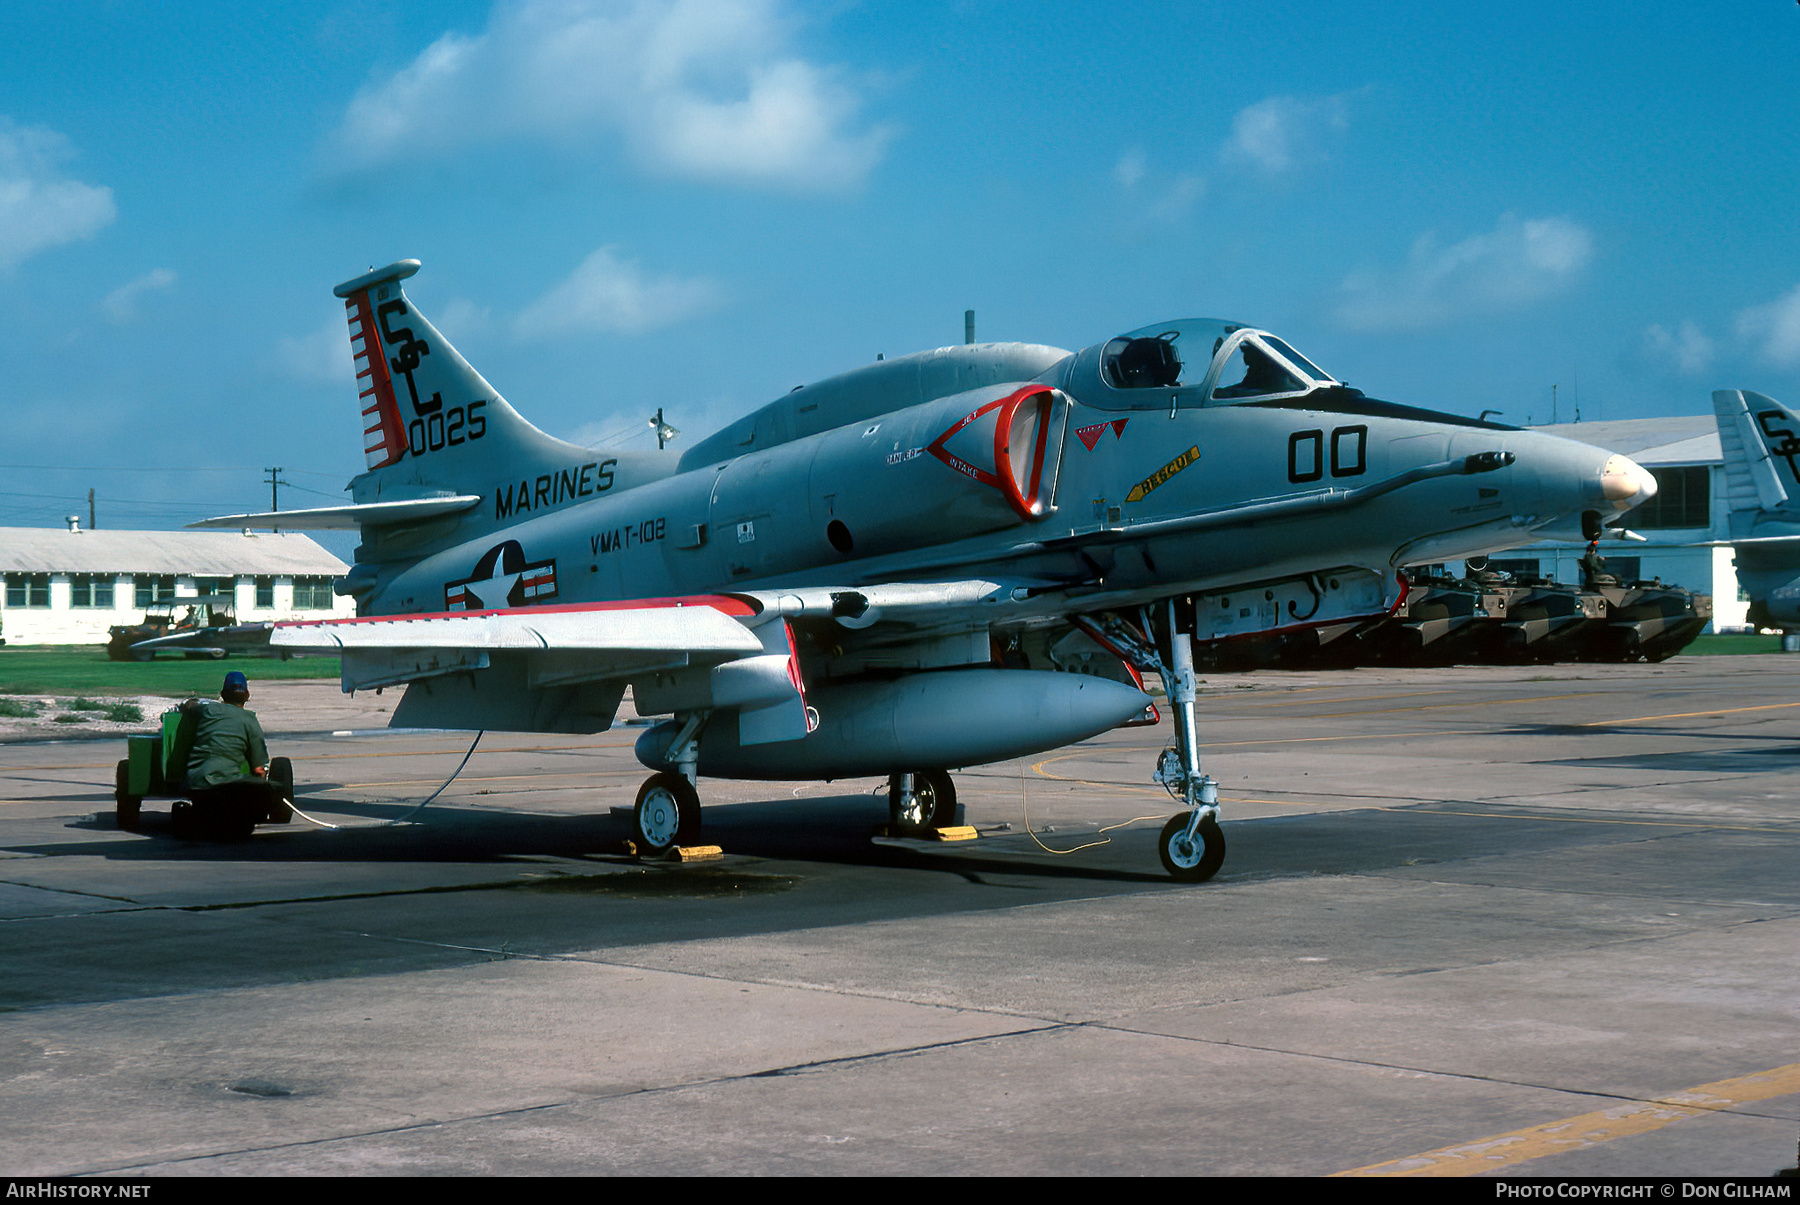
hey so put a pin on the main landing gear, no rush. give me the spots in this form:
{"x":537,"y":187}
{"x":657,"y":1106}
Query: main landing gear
{"x":668,"y":804}
{"x":919,"y":800}
{"x":1191,"y":846}
{"x":667,"y":813}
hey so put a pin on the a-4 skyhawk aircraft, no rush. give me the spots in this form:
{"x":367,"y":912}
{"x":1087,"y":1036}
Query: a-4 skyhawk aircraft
{"x":893,"y":571}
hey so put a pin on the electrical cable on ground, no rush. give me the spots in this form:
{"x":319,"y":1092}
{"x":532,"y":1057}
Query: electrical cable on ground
{"x":409,"y":815}
{"x":1025,"y":814}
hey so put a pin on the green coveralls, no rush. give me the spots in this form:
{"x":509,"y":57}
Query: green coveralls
{"x":228,"y":744}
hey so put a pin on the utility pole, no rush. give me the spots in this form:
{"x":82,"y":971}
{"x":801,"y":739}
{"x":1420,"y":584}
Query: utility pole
{"x":91,"y":523}
{"x":275,"y":484}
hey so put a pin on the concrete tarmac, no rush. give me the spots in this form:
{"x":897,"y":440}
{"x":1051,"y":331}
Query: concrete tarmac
{"x":1475,"y":921}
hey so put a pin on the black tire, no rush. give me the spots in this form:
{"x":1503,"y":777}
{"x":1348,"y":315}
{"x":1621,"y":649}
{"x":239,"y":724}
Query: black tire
{"x":128,"y":807}
{"x":281,"y":776}
{"x":1185,"y":861}
{"x":934,"y":801}
{"x":182,"y":820}
{"x":667,"y":813}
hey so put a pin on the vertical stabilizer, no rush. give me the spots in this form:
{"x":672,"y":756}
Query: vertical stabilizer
{"x":432,"y":426}
{"x":1760,"y":440}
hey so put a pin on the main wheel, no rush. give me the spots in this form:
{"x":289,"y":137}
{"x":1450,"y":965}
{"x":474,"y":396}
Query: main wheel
{"x":667,"y":813}
{"x":933,"y":803}
{"x":1191,"y":860}
{"x":281,"y":775}
{"x":129,"y":807}
{"x":182,"y":820}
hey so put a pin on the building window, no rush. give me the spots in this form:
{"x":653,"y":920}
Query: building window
{"x":312,"y":594}
{"x":28,"y":589}
{"x":91,"y":590}
{"x":225,"y":586}
{"x":151,"y":589}
{"x":1683,"y":499}
{"x":265,"y":594}
{"x":1625,"y":568}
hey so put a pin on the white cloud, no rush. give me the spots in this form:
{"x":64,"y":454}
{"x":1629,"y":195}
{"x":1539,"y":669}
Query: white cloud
{"x":1774,"y":328}
{"x":121,"y":304}
{"x":1514,"y":264}
{"x":610,"y":295}
{"x":1284,"y":132}
{"x":461,"y":318}
{"x":704,"y":89}
{"x":321,"y":356}
{"x":39,"y":207}
{"x":1130,"y":169}
{"x":1688,"y":350}
{"x":1161,"y":197}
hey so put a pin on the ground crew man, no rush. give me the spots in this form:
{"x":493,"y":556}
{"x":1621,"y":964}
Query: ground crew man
{"x":1593,"y":568}
{"x":228,"y":768}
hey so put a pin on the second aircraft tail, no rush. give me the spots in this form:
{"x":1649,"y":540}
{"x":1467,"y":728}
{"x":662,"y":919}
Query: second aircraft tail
{"x":1760,"y":440}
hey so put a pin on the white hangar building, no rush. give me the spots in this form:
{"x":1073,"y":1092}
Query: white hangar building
{"x":67,"y":586}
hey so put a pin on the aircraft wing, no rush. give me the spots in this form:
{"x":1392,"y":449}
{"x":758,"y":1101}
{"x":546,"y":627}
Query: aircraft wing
{"x":560,"y":669}
{"x":565,"y":668}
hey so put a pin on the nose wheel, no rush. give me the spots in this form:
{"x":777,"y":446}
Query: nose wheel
{"x":667,"y":813}
{"x":1191,"y":857}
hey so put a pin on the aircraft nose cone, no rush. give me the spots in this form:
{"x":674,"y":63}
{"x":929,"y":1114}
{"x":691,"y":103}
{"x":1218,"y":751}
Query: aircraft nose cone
{"x":1623,"y":479}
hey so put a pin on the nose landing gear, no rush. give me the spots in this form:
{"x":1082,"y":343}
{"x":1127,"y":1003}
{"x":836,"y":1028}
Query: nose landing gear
{"x":1192,"y":847}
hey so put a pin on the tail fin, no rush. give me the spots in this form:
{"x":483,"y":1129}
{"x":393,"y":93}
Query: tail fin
{"x":433,"y":426}
{"x":1760,"y":440}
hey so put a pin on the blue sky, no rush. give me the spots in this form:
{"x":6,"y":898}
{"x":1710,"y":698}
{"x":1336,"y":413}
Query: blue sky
{"x":698,"y":204}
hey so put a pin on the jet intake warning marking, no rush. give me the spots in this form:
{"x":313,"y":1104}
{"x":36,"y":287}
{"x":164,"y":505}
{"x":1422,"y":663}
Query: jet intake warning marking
{"x":1142,"y":489}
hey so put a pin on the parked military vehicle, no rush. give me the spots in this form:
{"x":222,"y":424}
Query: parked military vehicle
{"x":198,"y":616}
{"x":1490,"y":618}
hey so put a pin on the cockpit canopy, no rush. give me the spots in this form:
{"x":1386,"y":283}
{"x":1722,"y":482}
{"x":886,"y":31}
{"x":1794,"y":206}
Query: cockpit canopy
{"x":1192,"y":362}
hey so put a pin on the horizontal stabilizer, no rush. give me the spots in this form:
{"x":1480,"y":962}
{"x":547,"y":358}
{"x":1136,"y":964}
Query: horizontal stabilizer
{"x":244,"y":639}
{"x":1774,"y":543}
{"x":349,"y":518}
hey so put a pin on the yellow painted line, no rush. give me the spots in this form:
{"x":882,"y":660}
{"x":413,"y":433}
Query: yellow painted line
{"x":1734,"y":828}
{"x":1590,"y":1129}
{"x":1688,"y":715}
{"x":1038,"y":767}
{"x":1586,"y":694}
{"x":1411,"y":694}
{"x":1372,"y":736}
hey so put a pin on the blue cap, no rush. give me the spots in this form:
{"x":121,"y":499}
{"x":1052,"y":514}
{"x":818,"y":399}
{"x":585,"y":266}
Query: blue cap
{"x":235,"y":683}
